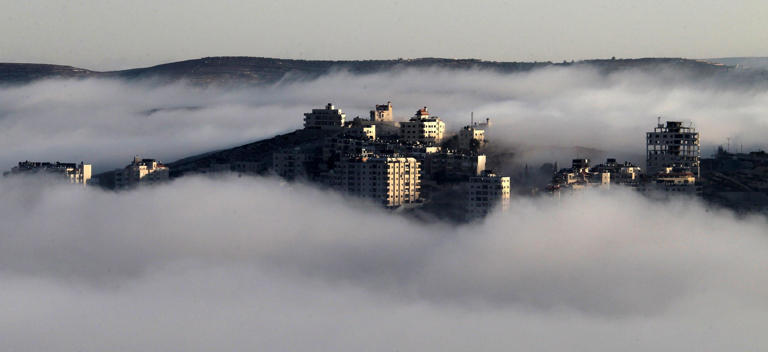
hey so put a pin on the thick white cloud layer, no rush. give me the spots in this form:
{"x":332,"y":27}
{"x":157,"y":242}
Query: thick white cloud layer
{"x":107,"y":122}
{"x":243,"y":263}
{"x":251,"y":263}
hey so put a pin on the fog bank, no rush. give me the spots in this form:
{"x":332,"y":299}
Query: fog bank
{"x":540,"y":112}
{"x":237,"y":263}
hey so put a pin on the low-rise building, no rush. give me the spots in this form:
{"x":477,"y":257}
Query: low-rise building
{"x":389,"y":180}
{"x":375,"y":128}
{"x":579,"y":177}
{"x":72,"y":172}
{"x":328,"y":118}
{"x":624,"y":173}
{"x":382,"y":113}
{"x":362,"y":131}
{"x":141,"y":172}
{"x":680,"y":180}
{"x":422,"y":128}
{"x":487,"y":192}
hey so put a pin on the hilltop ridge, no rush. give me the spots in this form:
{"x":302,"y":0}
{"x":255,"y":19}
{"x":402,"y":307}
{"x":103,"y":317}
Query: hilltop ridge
{"x":262,"y":70}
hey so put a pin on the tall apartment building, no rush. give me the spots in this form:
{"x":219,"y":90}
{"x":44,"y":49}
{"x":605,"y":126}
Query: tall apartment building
{"x":672,"y":145}
{"x":423,"y":128}
{"x":382,"y":112}
{"x":486,"y":192}
{"x":389,"y":180}
{"x":72,"y":172}
{"x":141,"y":172}
{"x":328,"y":118}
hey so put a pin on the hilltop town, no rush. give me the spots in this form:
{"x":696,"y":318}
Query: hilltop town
{"x":416,"y":166}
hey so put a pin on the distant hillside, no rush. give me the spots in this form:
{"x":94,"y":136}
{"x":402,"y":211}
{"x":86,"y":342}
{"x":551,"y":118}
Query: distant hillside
{"x":759,"y":63}
{"x":11,"y":73}
{"x":259,"y":70}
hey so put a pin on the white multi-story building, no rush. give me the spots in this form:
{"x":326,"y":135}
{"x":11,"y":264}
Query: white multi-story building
{"x":72,"y":172}
{"x":328,"y":118}
{"x":486,"y":192}
{"x":141,"y":172}
{"x":672,"y":145}
{"x":389,"y":180}
{"x":422,"y":128}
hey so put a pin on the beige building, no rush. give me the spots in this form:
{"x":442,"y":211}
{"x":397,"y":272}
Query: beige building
{"x":382,"y":112}
{"x":72,"y":172}
{"x":328,"y":118}
{"x":141,"y":172}
{"x":679,"y":180}
{"x":368,"y":131}
{"x":422,"y":128}
{"x":392,"y":181}
{"x":486,"y":192}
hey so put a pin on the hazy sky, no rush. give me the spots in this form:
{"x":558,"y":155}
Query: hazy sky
{"x":119,"y":34}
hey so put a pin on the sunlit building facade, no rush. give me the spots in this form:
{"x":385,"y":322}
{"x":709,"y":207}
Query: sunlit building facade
{"x":390,"y":180}
{"x":141,"y":172}
{"x":328,"y":118}
{"x":422,"y":128}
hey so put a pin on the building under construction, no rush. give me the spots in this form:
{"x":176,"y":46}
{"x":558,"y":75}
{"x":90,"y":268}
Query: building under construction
{"x":672,"y":145}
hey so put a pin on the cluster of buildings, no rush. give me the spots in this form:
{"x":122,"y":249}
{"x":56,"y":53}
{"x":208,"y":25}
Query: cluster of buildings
{"x":673,"y":159}
{"x":412,"y":162}
{"x":395,"y":163}
{"x":71,"y":172}
{"x":137,"y":173}
{"x":141,"y":172}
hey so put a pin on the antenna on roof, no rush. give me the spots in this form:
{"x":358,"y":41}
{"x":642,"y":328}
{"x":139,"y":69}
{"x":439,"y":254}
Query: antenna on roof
{"x":658,"y":120}
{"x":472,"y":118}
